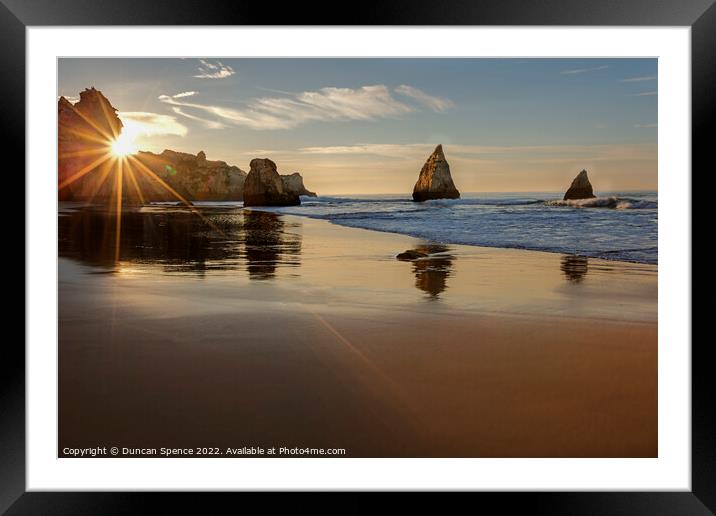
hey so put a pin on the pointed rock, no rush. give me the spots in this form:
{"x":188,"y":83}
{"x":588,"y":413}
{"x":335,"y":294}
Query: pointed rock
{"x":435,"y":181}
{"x":91,"y":118}
{"x":264,"y":186}
{"x":581,"y":188}
{"x":95,"y":107}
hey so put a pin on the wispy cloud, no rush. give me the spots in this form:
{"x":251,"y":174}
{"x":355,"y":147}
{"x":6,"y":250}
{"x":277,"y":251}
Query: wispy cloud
{"x":577,"y":71}
{"x":209,"y":124}
{"x":645,"y":94}
{"x":646,"y":126}
{"x":141,"y":123}
{"x":430,"y":101}
{"x":640,"y":79}
{"x":418,"y":151}
{"x":184,"y":94}
{"x":215,"y":70}
{"x":327,"y":104}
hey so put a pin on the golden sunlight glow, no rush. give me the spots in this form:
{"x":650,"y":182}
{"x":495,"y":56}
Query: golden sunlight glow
{"x":124,"y":145}
{"x":118,"y":155}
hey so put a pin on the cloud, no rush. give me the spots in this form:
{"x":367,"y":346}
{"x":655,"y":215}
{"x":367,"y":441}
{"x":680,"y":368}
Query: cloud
{"x":646,"y":126}
{"x":435,"y":103}
{"x":209,"y":124}
{"x":216,"y":70}
{"x":640,"y":79}
{"x":327,"y":104}
{"x":645,"y":94}
{"x":583,"y":70}
{"x":185,"y":94}
{"x":528,"y":153}
{"x":141,"y":123}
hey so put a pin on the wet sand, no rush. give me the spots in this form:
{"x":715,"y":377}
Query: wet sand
{"x":285,"y":331}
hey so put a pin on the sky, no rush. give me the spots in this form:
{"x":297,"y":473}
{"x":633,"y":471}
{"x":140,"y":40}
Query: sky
{"x":362,"y":126}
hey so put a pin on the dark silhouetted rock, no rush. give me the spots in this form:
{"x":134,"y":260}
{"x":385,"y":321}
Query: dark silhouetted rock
{"x":581,"y":188}
{"x":435,"y":181}
{"x":432,"y":265}
{"x":411,"y":254}
{"x":293,"y":183}
{"x":85,"y":132}
{"x":265,"y":187}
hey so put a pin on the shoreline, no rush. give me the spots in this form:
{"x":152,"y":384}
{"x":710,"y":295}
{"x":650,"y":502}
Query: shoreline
{"x":276,"y":211}
{"x":516,"y":248}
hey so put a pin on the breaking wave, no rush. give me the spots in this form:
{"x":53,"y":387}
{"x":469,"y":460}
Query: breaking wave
{"x":617,"y":203}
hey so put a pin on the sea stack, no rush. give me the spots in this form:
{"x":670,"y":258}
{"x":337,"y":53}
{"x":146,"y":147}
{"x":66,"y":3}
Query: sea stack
{"x":293,"y":183}
{"x":435,"y":181}
{"x":264,"y":186}
{"x":581,"y":188}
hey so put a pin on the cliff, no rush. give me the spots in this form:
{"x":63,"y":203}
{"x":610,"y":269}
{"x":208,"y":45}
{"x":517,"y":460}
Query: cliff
{"x":89,"y":171}
{"x":85,"y":132}
{"x":194,"y":177}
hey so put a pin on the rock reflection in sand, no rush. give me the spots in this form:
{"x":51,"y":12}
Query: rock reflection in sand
{"x":178,"y":241}
{"x":432,"y":267}
{"x":268,"y":245}
{"x":574,"y":267}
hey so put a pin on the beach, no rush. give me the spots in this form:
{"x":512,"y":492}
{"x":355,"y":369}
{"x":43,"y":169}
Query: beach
{"x":258,"y":329}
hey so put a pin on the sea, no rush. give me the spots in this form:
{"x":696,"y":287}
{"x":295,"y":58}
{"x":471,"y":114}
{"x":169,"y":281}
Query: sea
{"x":614,"y":226}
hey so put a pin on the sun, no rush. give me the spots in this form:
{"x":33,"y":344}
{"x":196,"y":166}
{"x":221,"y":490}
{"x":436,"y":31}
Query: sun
{"x":123,"y":145}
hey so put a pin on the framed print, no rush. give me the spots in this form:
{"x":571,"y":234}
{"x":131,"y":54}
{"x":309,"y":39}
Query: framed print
{"x":416,"y":253}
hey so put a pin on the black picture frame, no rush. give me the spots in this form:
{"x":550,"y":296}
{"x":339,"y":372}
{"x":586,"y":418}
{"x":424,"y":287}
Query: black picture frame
{"x":700,"y":15}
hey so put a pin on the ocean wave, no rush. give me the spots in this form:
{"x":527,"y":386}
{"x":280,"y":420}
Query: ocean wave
{"x":327,"y":199}
{"x":546,"y":243}
{"x":618,"y":203}
{"x":622,"y":225}
{"x":485,"y":202}
{"x":340,"y":201}
{"x":596,"y":202}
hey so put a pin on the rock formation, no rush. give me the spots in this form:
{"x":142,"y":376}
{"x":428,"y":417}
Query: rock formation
{"x":85,"y":132}
{"x":194,"y":177}
{"x":435,"y":181}
{"x":581,"y":188}
{"x":432,"y":266}
{"x":87,"y":169}
{"x":411,"y":254}
{"x":265,"y":187}
{"x":293,"y":183}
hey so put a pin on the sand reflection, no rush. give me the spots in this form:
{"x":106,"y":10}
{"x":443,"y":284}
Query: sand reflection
{"x":175,"y":240}
{"x":268,"y":245}
{"x":574,"y":267}
{"x":432,"y":271}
